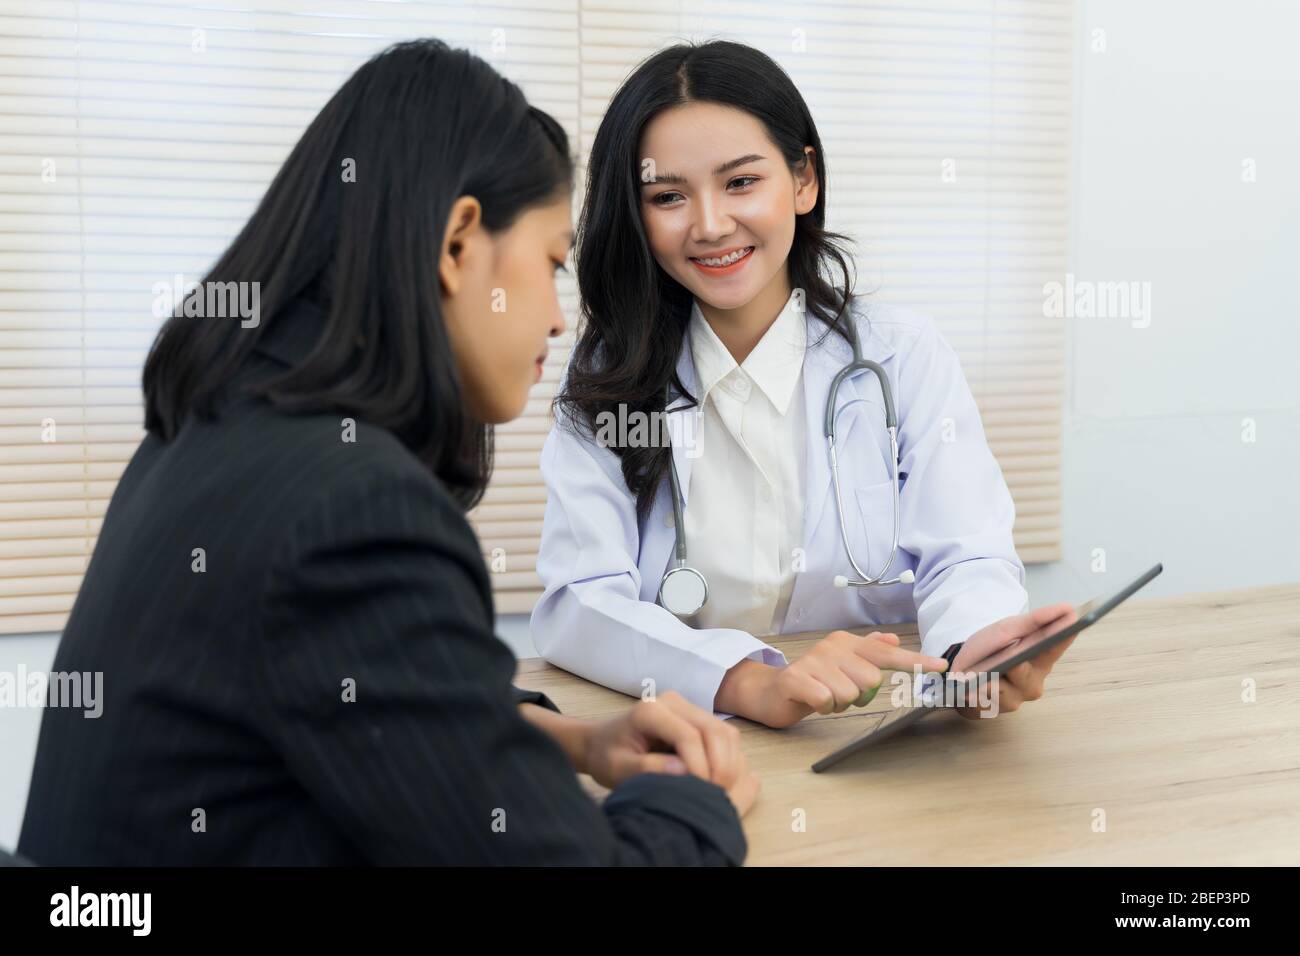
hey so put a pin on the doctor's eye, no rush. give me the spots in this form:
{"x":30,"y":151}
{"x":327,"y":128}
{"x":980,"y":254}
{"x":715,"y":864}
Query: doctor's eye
{"x":747,"y":180}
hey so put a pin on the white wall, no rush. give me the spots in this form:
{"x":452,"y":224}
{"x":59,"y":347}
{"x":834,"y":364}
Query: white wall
{"x":1155,"y":466}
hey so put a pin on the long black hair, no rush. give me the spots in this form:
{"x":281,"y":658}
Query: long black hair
{"x":634,"y":313}
{"x":355,"y":219}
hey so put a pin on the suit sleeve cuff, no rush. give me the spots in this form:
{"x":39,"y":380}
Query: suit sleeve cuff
{"x":533,"y":697}
{"x":701,"y":806}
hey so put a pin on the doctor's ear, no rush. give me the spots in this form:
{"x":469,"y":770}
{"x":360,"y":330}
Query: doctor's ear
{"x":806,"y":185}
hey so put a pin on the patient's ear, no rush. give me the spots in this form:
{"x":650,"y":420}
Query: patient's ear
{"x":464,"y":225}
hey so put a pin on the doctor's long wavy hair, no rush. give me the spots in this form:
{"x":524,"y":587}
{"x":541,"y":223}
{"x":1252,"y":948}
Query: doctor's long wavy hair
{"x":635,"y":314}
{"x":421,"y":124}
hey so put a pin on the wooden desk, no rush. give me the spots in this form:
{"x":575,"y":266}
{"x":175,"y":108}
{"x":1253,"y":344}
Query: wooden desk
{"x":1142,"y":719}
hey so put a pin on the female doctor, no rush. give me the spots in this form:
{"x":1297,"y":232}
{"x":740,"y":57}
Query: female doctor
{"x":705,"y":273}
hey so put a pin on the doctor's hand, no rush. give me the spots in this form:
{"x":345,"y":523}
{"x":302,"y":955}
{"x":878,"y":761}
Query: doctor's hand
{"x":840,"y":671}
{"x":1024,"y":681}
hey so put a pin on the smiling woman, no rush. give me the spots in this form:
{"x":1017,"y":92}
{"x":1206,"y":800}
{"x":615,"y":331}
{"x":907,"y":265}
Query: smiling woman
{"x":724,"y":156}
{"x":712,"y":290}
{"x":734,"y":223}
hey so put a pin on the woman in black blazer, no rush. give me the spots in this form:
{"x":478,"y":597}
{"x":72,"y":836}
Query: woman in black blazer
{"x":290,"y":613}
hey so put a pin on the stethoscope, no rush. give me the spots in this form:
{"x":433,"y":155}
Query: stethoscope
{"x":683,"y":589}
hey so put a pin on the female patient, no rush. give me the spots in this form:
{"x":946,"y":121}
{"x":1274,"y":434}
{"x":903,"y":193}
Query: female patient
{"x":291,"y":614}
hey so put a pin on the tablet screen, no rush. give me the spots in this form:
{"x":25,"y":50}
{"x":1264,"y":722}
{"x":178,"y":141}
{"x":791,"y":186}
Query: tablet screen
{"x":997,"y":663}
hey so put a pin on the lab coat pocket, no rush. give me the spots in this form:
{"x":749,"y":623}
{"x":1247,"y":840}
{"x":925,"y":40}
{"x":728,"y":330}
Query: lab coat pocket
{"x":876,"y":509}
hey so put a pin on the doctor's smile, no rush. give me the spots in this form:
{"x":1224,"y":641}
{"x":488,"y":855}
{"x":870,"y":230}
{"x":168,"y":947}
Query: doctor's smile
{"x":723,"y":264}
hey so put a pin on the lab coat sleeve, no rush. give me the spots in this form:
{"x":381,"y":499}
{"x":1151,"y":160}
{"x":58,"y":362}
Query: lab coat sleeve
{"x":957,"y":513}
{"x":590,"y":619}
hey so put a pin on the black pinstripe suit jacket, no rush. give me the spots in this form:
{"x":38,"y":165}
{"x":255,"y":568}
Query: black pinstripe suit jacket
{"x":325,"y":687}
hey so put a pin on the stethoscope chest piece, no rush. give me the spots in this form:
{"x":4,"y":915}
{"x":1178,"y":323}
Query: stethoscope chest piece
{"x":683,"y":591}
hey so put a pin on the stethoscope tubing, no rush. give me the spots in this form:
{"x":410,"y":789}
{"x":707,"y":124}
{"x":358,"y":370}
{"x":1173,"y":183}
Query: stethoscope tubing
{"x":864,"y":579}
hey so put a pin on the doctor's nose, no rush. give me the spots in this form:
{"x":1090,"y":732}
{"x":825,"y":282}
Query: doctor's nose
{"x":712,"y":223}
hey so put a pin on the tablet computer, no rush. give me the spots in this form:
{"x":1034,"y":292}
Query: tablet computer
{"x":999,"y":662}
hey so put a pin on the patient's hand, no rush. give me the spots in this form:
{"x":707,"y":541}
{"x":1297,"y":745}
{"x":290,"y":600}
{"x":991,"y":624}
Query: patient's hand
{"x":670,"y":735}
{"x":666,"y":735}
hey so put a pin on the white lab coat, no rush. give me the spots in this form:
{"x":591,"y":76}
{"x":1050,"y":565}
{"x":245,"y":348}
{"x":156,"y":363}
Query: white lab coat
{"x":601,"y":568}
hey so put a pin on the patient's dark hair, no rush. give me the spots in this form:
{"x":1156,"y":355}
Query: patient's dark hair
{"x":422,"y":124}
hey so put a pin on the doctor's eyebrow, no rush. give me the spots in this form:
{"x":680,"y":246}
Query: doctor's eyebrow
{"x":661,"y":178}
